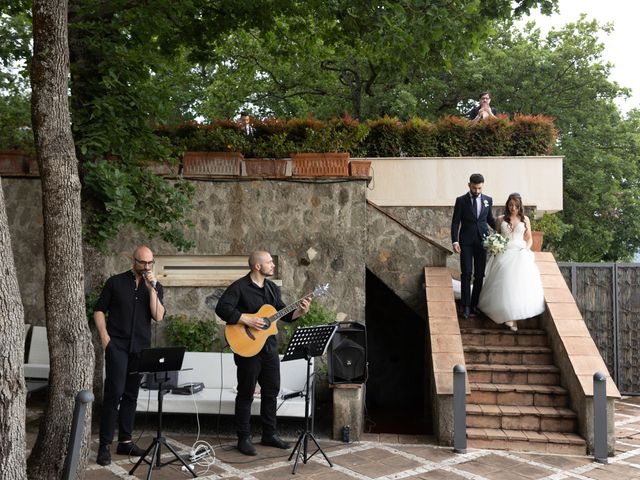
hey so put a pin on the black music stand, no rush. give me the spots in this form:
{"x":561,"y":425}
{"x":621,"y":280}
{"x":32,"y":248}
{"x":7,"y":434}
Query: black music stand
{"x":159,"y":362}
{"x":308,"y":342}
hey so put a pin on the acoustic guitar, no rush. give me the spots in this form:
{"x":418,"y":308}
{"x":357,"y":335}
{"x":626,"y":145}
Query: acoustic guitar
{"x":247,"y":341}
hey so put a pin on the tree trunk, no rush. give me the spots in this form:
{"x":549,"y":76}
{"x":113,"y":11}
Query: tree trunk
{"x":12,"y":389}
{"x":71,"y":351}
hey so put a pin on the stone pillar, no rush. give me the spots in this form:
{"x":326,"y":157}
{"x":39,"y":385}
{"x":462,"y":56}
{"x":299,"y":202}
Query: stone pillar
{"x":348,"y":409}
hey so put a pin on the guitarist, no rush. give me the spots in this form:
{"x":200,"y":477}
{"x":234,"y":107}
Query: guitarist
{"x":240,"y":299}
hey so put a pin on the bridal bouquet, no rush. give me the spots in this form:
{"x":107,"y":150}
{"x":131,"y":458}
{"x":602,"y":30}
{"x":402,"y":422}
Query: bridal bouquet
{"x":494,"y":243}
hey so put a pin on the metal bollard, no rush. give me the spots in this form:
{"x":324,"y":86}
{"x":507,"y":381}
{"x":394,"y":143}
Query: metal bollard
{"x":600,"y":452}
{"x":459,"y":410}
{"x":83,"y":398}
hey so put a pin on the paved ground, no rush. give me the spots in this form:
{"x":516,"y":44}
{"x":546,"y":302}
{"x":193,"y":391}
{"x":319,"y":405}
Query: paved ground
{"x":392,"y":457}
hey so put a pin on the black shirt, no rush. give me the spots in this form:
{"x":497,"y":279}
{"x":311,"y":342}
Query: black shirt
{"x":129,"y":322}
{"x":244,"y":296}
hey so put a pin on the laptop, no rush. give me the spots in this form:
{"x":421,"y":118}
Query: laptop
{"x":161,"y":359}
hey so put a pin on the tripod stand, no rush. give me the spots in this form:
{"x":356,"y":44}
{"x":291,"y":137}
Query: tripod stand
{"x":159,"y":440}
{"x":308,"y":342}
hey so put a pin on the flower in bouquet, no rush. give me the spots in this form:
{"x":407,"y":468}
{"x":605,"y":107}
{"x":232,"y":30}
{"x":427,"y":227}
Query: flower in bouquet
{"x":494,"y":243}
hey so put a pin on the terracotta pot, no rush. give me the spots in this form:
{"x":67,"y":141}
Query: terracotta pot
{"x":265,"y":167}
{"x":208,"y":164}
{"x":537,"y":237}
{"x":360,"y":168}
{"x":320,"y":164}
{"x":14,"y":162}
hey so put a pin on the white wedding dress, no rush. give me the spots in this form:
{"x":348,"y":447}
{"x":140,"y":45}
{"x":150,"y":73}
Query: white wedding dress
{"x":512,"y":289}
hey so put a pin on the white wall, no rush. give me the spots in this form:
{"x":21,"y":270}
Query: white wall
{"x":437,"y":181}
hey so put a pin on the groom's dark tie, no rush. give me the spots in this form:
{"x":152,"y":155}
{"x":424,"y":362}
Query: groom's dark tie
{"x":475,"y":206}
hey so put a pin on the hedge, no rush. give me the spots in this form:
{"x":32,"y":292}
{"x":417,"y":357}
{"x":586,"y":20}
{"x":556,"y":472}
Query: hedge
{"x":524,"y":135}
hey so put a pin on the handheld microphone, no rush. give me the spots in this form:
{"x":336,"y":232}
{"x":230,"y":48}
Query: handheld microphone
{"x":154,"y":283}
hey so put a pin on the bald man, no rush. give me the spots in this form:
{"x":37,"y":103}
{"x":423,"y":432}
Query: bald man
{"x":242,"y":297}
{"x":131,"y":299}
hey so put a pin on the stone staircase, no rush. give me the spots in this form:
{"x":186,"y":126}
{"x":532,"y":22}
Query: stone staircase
{"x":516,"y":400}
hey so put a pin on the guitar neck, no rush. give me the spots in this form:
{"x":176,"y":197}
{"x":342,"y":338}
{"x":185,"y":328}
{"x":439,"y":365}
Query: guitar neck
{"x":289,"y":308}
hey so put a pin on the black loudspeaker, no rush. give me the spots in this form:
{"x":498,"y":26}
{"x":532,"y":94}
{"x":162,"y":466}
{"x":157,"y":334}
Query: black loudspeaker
{"x":347,"y":354}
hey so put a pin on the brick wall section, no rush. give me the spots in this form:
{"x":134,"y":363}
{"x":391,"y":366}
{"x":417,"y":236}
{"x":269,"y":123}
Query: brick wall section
{"x":446,"y":348}
{"x":574,"y":351}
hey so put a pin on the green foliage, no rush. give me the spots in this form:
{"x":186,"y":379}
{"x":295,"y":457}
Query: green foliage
{"x":418,"y":138}
{"x":90,"y":300}
{"x":318,"y":315}
{"x":452,"y":137}
{"x":220,"y":136}
{"x":495,"y":136}
{"x":382,"y":137}
{"x":385,"y":137}
{"x":333,"y":56}
{"x":125,"y":193}
{"x":194,"y":334}
{"x":533,"y":135}
{"x":554,"y":230}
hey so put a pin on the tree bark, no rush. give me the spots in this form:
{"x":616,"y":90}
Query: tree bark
{"x":12,"y":387}
{"x":71,"y":351}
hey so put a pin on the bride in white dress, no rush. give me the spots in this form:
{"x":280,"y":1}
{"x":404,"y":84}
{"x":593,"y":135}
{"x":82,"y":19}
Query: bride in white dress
{"x":512,"y":289}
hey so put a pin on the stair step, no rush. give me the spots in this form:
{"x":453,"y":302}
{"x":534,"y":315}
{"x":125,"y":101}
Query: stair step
{"x":511,"y":355}
{"x":526,"y":441}
{"x":490,"y":337}
{"x":514,"y":417}
{"x":514,"y":374}
{"x":521,"y":395}
{"x":486,"y":323}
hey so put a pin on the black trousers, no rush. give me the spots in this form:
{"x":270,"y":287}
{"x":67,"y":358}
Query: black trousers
{"x":262,"y":369}
{"x":120,"y":393}
{"x":473,"y":259}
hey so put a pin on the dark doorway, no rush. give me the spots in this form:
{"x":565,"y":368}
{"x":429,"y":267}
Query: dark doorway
{"x":397,"y":381}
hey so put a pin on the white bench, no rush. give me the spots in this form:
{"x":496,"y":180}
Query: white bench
{"x":218,"y":373}
{"x":37,"y":366}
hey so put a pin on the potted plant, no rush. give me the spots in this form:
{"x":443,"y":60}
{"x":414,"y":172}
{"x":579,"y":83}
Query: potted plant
{"x":195,"y":334}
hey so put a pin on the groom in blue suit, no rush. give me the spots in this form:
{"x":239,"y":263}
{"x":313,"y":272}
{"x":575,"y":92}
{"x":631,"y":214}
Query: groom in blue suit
{"x":472,"y":217}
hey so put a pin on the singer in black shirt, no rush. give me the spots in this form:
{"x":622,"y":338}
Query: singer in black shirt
{"x":242,"y":297}
{"x":131,"y":299}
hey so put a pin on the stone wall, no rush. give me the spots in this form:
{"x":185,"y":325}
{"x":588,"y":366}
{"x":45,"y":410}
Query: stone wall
{"x":285,"y":217}
{"x":23,"y":200}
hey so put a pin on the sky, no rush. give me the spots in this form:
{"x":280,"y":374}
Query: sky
{"x":620,"y":45}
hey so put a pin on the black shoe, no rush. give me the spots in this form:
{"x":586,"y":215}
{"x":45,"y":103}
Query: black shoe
{"x":466,"y":312}
{"x":104,"y":456}
{"x":129,"y":448}
{"x":246,"y":447}
{"x":275,"y":441}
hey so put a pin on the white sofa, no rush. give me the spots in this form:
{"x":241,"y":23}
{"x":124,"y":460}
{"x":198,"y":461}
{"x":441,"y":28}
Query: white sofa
{"x":218,"y":373}
{"x":37,"y":366}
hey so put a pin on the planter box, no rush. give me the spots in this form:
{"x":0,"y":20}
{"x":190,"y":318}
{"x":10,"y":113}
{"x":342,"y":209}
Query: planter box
{"x":536,"y":237}
{"x":211,"y":164}
{"x":320,"y":164}
{"x":360,"y":168}
{"x":265,"y":167}
{"x":14,"y":162}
